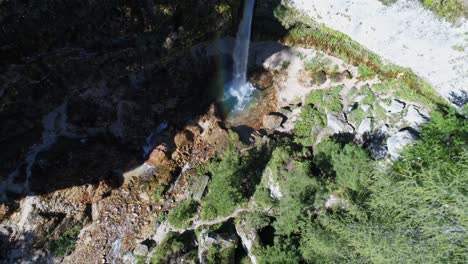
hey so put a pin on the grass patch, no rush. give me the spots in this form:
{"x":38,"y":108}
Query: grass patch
{"x":171,"y":246}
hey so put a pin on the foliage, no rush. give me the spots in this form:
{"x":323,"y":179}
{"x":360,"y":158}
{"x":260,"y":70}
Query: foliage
{"x":449,"y":9}
{"x":234,"y":176}
{"x":65,"y":245}
{"x":366,"y":73}
{"x":182,"y":213}
{"x":219,"y":254}
{"x":171,"y":246}
{"x":327,"y":100}
{"x":304,"y":128}
{"x":412,"y":211}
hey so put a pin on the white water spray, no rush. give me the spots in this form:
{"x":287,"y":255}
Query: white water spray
{"x":240,"y":89}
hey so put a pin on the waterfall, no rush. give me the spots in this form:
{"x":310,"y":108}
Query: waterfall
{"x":239,"y":88}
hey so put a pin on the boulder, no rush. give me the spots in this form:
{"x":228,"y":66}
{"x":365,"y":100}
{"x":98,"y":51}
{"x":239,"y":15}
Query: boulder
{"x":262,"y":79}
{"x":398,"y":141}
{"x":140,"y":250}
{"x":395,"y":106}
{"x":365,"y":126}
{"x":197,"y":186}
{"x":338,"y":123}
{"x":271,"y":122}
{"x":414,"y":117}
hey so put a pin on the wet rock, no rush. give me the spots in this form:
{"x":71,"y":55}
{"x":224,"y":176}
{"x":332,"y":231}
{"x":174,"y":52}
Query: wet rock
{"x":398,"y":141}
{"x":338,"y":123}
{"x":141,"y":250}
{"x":262,"y":79}
{"x":271,"y":121}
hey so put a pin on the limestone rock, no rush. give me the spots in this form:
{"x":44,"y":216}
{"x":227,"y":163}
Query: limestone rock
{"x":141,"y":250}
{"x":414,"y":117}
{"x":395,"y":106}
{"x":272,"y":121}
{"x":398,"y":141}
{"x":365,"y":126}
{"x":338,"y":123}
{"x":197,"y":186}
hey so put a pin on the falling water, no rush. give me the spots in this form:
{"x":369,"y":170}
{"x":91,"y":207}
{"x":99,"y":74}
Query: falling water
{"x":240,"y":89}
{"x":150,"y":140}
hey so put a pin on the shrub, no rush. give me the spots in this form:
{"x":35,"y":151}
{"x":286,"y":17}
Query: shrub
{"x":182,"y":213}
{"x":449,"y":9}
{"x":65,"y":245}
{"x":366,"y":73}
{"x":171,"y":246}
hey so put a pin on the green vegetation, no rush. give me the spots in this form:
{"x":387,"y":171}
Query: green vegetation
{"x":66,"y":243}
{"x":233,"y":176}
{"x":171,"y":246}
{"x":305,"y":32}
{"x":182,"y":214}
{"x":412,"y":211}
{"x":366,"y":73}
{"x":449,"y":9}
{"x":305,"y":129}
{"x":313,"y":115}
{"x":219,"y":254}
{"x":327,"y":100}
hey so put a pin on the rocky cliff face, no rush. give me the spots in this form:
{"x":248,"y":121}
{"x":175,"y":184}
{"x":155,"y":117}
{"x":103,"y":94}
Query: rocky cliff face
{"x":110,"y":121}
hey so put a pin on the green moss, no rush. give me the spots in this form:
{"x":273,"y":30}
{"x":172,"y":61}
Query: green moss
{"x":380,"y":112}
{"x":369,"y":98}
{"x":181,"y":215}
{"x":65,"y":245}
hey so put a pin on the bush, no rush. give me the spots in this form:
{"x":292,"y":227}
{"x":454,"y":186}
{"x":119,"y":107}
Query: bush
{"x":65,"y":245}
{"x":171,"y":246}
{"x":182,"y":213}
{"x":234,"y":176}
{"x":366,"y":73}
{"x":449,"y":9}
